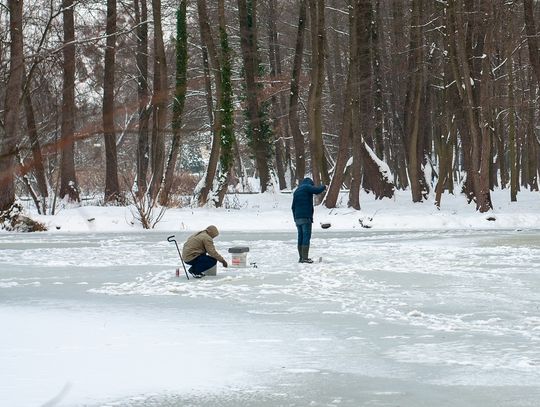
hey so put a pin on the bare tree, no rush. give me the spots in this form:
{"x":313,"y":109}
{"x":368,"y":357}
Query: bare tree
{"x":37,"y":157}
{"x":260,"y":140}
{"x":412,"y":116}
{"x":280,"y":127}
{"x":179,"y":99}
{"x":68,"y":179}
{"x":533,"y":146}
{"x":360,"y":76}
{"x":532,"y":37}
{"x":376,"y":63}
{"x":141,"y":16}
{"x":512,"y":142}
{"x":319,"y":165}
{"x":294,"y":125}
{"x":8,"y":130}
{"x":159,"y":104}
{"x":112,"y":186}
{"x":343,"y":152}
{"x":470,"y":67}
{"x":226,"y":132}
{"x":444,"y":93}
{"x":211,"y":58}
{"x":367,"y":169}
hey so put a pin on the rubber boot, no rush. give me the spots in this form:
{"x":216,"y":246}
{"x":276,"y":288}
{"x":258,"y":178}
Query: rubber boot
{"x":305,"y":255}
{"x":299,"y":254}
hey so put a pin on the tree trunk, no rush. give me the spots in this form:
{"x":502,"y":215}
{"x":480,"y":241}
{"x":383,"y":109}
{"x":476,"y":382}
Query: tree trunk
{"x":282,"y":107}
{"x":340,"y":165}
{"x":532,"y":37}
{"x":461,"y":118}
{"x":159,"y":104}
{"x":473,"y":98}
{"x":179,"y":100}
{"x":294,"y":123}
{"x":334,"y":70}
{"x":512,"y":143}
{"x":413,"y":100}
{"x":37,"y":157}
{"x":397,"y":84}
{"x":532,"y":151}
{"x":332,"y":195}
{"x":375,"y":174}
{"x":319,"y":166}
{"x":214,"y":65}
{"x":8,"y":132}
{"x":226,"y":132}
{"x":278,"y":128}
{"x":359,"y":60}
{"x":534,"y":59}
{"x":444,"y":138}
{"x":482,"y":54}
{"x":367,"y":168}
{"x":247,"y":16}
{"x":501,"y":152}
{"x":376,"y":63}
{"x":112,"y":187}
{"x":141,"y":15}
{"x":68,"y":180}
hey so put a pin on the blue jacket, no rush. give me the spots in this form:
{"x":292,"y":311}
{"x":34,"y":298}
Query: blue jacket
{"x":302,"y":204}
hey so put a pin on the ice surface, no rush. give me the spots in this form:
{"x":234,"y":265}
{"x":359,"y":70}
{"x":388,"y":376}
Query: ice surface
{"x":411,"y":318}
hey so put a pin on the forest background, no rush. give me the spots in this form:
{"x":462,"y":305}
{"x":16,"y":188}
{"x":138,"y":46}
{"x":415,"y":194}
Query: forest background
{"x":169,"y":103}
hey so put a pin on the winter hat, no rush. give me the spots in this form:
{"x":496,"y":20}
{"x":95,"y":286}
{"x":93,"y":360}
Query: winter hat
{"x":212,"y":231}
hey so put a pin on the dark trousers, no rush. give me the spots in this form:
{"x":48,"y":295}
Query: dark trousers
{"x":304,"y":233}
{"x":201,"y":263}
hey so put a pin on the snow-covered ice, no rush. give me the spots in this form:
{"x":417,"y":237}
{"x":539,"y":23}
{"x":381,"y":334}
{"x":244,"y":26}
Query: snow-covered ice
{"x":426,"y":308}
{"x":387,"y":318}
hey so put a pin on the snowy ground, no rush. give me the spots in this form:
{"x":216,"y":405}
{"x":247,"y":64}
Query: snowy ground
{"x":272,"y":212}
{"x":439,"y":309}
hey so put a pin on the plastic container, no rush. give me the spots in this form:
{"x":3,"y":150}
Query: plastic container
{"x":239,"y":256}
{"x":212,"y":271}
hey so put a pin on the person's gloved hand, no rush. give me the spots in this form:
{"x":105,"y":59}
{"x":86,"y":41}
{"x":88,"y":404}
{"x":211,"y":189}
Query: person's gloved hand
{"x":224,"y":262}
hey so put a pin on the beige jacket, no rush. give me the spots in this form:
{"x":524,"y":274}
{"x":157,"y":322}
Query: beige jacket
{"x":200,"y":243}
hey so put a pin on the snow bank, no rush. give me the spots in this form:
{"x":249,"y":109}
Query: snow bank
{"x":271,"y":212}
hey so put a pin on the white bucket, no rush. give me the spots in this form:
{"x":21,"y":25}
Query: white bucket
{"x":238,"y":259}
{"x":238,"y":256}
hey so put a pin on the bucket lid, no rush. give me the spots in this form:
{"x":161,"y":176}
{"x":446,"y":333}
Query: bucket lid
{"x":238,"y":249}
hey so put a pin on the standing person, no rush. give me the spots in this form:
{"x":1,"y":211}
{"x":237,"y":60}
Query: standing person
{"x":196,"y":248}
{"x":302,"y":208}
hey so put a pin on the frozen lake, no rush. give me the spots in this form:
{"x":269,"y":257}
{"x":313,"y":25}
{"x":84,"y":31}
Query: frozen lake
{"x":403,"y":319}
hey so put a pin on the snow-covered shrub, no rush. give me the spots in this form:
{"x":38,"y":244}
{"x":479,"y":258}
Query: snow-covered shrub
{"x":13,"y":220}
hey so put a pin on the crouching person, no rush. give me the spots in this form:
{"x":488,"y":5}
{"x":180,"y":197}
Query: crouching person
{"x":199,"y":251}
